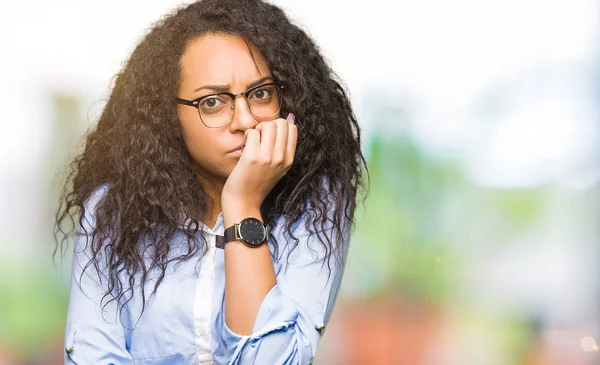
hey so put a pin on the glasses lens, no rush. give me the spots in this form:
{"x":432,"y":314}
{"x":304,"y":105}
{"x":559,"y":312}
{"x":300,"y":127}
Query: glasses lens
{"x":215,"y":110}
{"x":265,"y":101}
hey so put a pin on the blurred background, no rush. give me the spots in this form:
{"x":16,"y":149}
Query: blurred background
{"x":478,"y":244}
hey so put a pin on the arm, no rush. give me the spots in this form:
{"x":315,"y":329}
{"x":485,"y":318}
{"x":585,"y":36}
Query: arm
{"x":94,"y":335}
{"x":288,"y":321}
{"x":268,"y":319}
{"x":244,"y":297}
{"x":269,"y":151}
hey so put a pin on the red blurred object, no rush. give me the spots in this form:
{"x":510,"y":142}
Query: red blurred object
{"x":382,"y":331}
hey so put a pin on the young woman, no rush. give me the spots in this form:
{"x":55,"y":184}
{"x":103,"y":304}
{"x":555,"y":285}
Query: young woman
{"x":216,"y":196}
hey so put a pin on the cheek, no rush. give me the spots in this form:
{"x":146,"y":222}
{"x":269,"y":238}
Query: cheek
{"x":203,"y":145}
{"x":196,"y":138}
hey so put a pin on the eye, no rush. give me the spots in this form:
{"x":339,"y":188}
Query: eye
{"x":212,"y":104}
{"x":262,"y":94}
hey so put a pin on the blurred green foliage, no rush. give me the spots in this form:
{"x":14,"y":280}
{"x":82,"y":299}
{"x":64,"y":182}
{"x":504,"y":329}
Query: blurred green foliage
{"x":422,"y":215}
{"x":33,"y":307}
{"x":401,"y":230}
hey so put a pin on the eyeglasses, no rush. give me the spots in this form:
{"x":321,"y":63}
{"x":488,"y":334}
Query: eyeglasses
{"x":216,"y":110}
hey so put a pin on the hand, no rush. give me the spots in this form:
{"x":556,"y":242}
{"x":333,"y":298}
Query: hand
{"x":267,"y":156}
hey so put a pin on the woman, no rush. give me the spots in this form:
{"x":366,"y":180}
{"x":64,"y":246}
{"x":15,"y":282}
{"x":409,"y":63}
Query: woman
{"x":213,"y":230}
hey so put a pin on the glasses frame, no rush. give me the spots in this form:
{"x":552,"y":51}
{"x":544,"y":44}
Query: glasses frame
{"x":196,"y":102}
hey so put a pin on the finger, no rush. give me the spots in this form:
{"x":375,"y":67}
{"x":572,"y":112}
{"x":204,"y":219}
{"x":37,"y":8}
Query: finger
{"x":292,"y":141}
{"x":268,"y":134}
{"x":280,"y":149}
{"x":251,"y":142}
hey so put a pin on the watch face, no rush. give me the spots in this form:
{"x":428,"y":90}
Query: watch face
{"x":252,"y":231}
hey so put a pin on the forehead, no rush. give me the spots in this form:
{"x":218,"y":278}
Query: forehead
{"x":221,"y":59}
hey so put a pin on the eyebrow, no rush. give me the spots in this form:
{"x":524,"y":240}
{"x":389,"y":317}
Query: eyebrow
{"x":223,"y":88}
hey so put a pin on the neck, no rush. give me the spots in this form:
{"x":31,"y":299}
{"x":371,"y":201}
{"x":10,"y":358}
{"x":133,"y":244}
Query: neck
{"x":213,"y":188}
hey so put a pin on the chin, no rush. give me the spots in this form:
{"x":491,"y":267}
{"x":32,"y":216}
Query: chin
{"x":225,"y":170}
{"x":216,"y":172}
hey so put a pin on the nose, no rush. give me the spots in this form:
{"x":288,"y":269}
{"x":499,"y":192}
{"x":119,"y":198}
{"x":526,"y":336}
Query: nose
{"x":242,"y":119}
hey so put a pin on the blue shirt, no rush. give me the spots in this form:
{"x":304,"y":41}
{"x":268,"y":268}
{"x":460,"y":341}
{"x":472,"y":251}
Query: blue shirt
{"x":184,"y":321}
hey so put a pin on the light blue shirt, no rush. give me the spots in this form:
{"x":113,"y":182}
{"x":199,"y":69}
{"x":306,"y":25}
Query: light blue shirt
{"x":184,"y":322}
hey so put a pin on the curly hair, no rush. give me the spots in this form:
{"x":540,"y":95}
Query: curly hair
{"x":137,"y":147}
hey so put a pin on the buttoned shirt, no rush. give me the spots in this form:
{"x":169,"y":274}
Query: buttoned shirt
{"x":183,"y":322}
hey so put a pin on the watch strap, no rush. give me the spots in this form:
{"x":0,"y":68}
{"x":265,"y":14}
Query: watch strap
{"x":229,"y":233}
{"x":228,"y":236}
{"x":220,"y":242}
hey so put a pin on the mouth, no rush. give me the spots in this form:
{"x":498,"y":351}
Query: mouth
{"x":238,"y":150}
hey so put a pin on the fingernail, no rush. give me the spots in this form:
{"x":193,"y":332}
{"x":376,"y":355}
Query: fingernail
{"x":291,"y":118}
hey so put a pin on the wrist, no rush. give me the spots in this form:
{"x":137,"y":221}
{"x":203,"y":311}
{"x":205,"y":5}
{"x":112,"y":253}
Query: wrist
{"x":247,"y":200}
{"x":236,"y":213}
{"x":239,"y":203}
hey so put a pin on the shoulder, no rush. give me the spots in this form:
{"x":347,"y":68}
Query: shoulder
{"x":91,"y":203}
{"x":87,"y":221}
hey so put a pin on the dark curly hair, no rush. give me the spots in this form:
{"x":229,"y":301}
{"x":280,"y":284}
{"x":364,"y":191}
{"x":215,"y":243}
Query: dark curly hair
{"x":137,"y":147}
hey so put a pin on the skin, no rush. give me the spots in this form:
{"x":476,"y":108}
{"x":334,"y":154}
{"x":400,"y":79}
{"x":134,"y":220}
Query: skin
{"x":237,"y":185}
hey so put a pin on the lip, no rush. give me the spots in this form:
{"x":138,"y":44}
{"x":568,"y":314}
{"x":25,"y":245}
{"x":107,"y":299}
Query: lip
{"x":237,"y":151}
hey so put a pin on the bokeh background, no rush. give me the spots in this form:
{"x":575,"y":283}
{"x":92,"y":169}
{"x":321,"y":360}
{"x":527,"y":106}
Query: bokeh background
{"x":478,"y":244}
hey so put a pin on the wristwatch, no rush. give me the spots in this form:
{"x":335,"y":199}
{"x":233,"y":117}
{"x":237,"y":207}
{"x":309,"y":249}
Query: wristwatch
{"x":251,"y":231}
